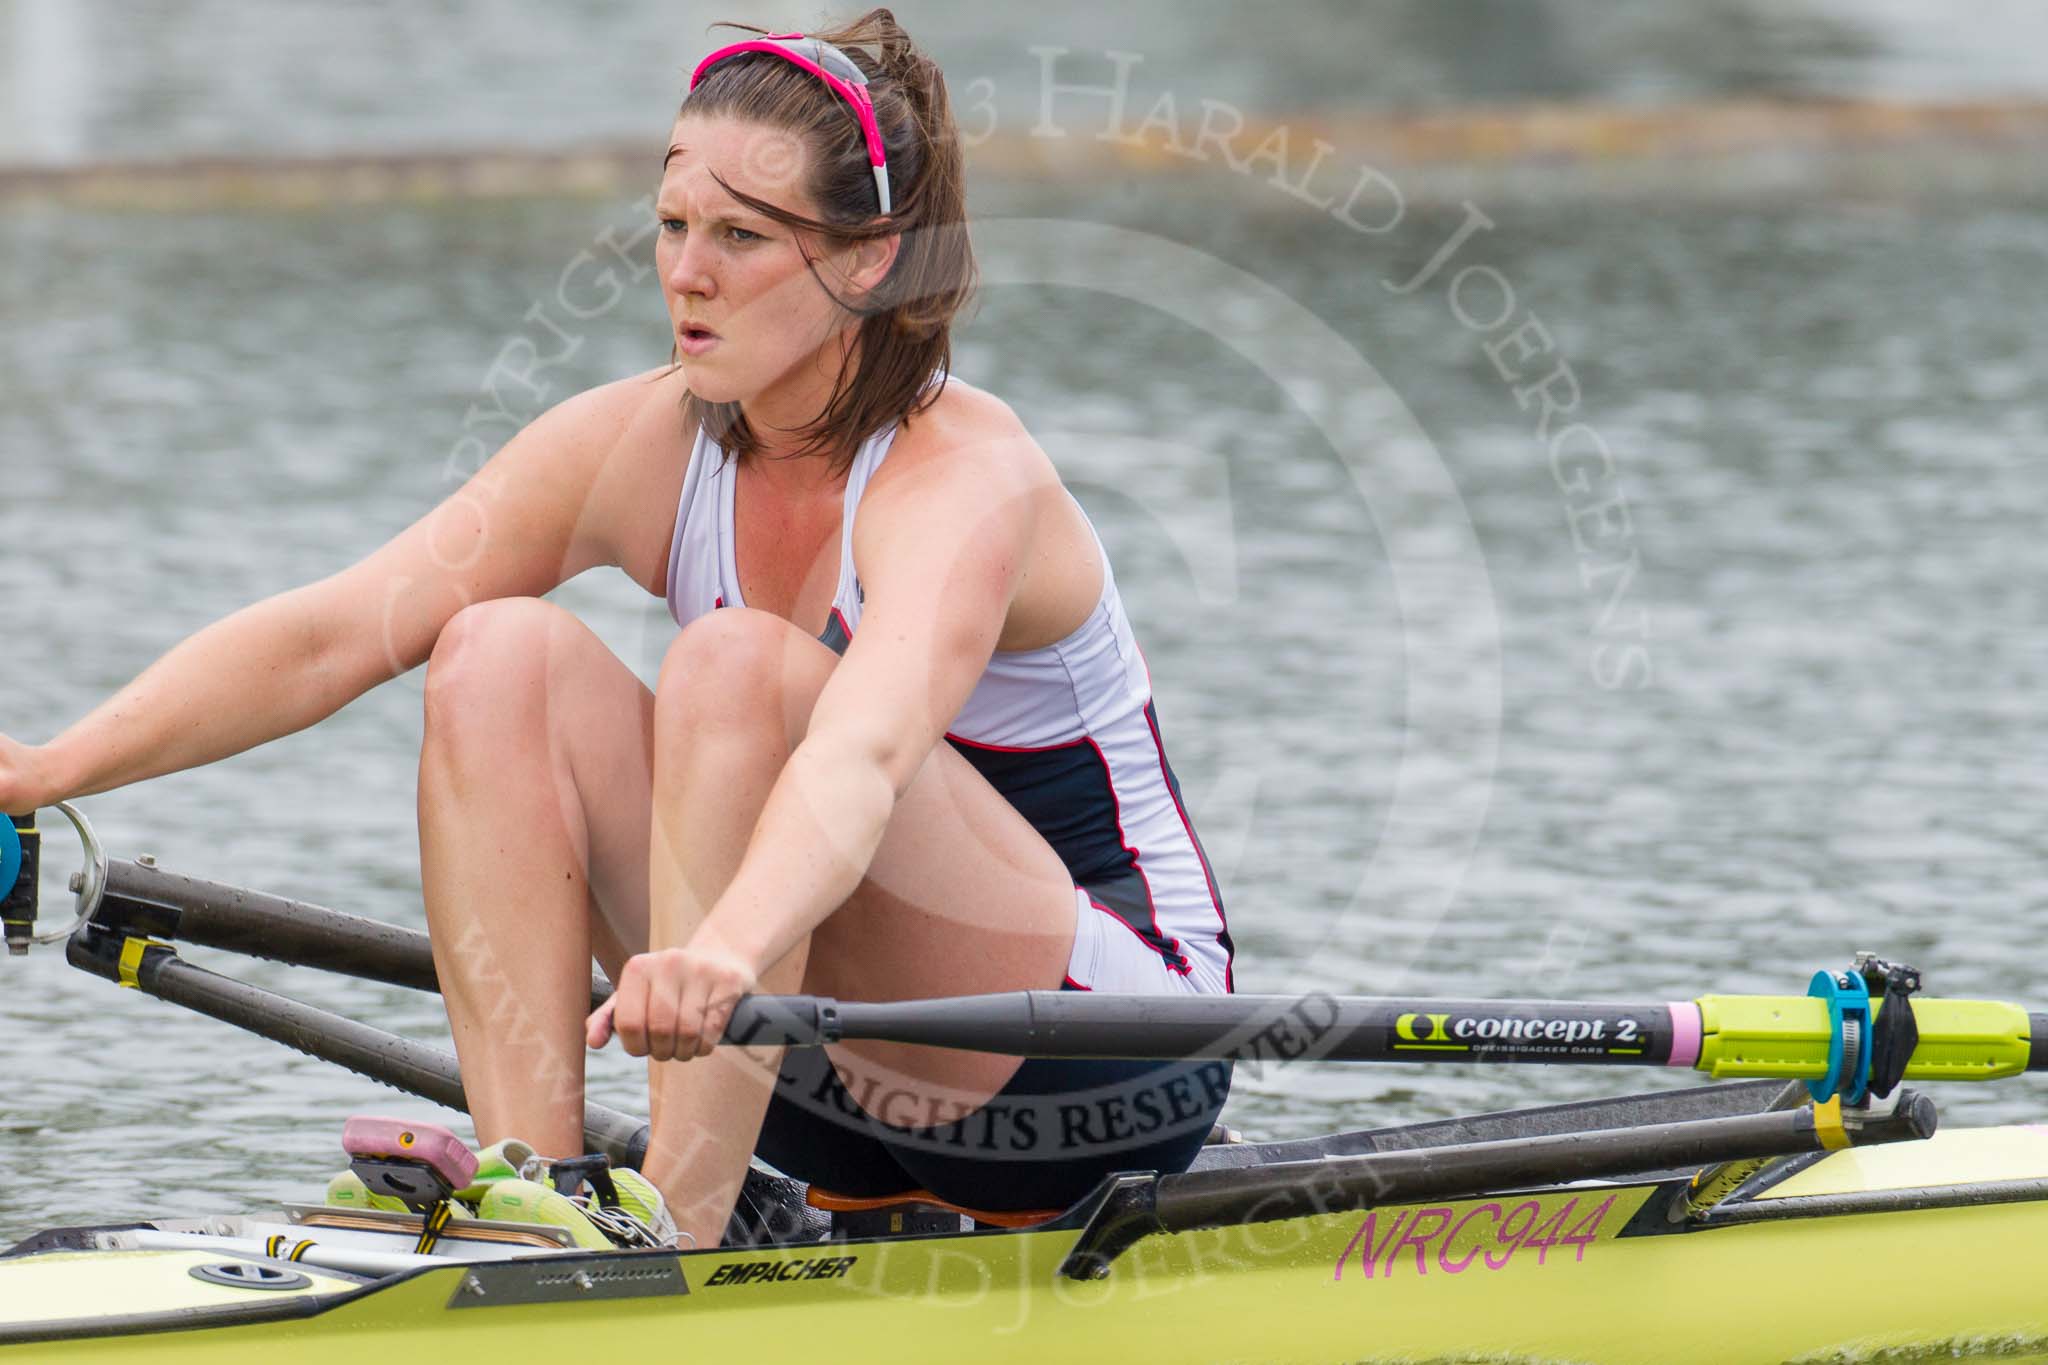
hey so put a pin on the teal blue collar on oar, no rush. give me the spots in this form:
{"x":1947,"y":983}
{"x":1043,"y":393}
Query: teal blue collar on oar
{"x":1847,"y":997}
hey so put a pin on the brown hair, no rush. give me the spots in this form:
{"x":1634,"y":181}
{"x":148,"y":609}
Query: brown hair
{"x":906,"y":321}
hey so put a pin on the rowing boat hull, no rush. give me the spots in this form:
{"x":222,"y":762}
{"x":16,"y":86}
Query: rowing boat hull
{"x":1582,"y":1273}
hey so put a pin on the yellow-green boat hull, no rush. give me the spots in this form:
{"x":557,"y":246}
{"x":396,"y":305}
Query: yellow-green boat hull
{"x":1569,"y":1274}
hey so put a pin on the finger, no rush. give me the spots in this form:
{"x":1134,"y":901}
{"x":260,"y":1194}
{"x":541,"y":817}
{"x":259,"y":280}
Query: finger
{"x":717,"y":1014}
{"x":717,"y":1011}
{"x":683,"y":1037}
{"x":597,"y":1029}
{"x":629,"y":1019}
{"x":664,"y":1008}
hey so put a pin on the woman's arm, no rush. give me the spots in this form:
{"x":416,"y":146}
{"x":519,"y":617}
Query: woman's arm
{"x":537,"y":514}
{"x":941,"y":544}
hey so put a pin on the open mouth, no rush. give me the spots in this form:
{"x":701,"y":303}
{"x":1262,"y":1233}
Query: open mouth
{"x":692,"y":332}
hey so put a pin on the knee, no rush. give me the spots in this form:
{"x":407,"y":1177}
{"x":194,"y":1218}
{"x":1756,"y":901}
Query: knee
{"x":489,"y":664}
{"x":737,"y":670}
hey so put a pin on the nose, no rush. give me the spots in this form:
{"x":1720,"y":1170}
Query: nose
{"x":689,"y":269}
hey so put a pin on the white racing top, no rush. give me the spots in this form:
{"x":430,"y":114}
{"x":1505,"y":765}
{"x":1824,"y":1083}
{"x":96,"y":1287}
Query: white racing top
{"x":1067,"y":733}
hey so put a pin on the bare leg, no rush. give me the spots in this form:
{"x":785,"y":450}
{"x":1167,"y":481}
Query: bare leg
{"x":963,"y":896}
{"x":533,"y":810}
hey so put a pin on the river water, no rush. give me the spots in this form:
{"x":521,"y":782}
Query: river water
{"x":1453,"y":719}
{"x":91,"y":79}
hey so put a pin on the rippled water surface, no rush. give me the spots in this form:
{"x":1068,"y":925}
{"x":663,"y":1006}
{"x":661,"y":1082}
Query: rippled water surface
{"x":131,"y":78}
{"x":1375,"y":636}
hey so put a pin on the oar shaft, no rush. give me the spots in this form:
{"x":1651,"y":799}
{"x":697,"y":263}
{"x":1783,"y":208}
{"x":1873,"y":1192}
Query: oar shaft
{"x":1728,"y":1037}
{"x":146,"y":900}
{"x":1314,"y":1026}
{"x":416,"y":1068}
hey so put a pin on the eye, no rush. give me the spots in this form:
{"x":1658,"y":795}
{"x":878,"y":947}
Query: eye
{"x":743,"y":235}
{"x":671,"y":225}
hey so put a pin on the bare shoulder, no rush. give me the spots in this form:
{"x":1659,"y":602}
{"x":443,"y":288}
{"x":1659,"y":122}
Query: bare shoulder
{"x":618,"y":452}
{"x":600,"y":419}
{"x":962,"y":414}
{"x":973,"y":484}
{"x":968,"y":432}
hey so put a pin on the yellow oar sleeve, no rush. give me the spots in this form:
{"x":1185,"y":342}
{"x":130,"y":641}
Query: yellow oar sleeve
{"x":1786,"y":1036}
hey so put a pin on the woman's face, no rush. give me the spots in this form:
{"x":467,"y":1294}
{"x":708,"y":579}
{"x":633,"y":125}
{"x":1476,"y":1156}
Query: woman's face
{"x":745,"y":309}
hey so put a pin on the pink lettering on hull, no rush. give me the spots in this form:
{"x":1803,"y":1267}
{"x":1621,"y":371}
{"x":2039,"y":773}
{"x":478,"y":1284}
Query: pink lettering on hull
{"x":1456,"y":1237}
{"x":1418,"y":1237}
{"x":1369,"y":1258}
{"x":1489,"y":1234}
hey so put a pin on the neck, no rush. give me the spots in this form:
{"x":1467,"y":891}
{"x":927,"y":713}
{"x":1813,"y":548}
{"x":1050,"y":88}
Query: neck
{"x":777,"y":414}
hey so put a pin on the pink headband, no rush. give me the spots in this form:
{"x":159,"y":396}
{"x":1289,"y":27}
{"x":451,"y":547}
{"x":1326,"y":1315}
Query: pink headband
{"x":831,"y":66}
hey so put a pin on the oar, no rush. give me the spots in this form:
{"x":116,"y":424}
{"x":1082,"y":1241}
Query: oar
{"x":156,"y":970}
{"x":1727,"y":1036}
{"x":143,"y":899}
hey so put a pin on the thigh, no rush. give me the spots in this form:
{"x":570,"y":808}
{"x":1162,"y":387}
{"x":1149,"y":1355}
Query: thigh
{"x":962,"y":896}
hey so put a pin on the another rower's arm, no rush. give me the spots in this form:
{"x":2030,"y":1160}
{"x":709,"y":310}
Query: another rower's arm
{"x":940,"y":548}
{"x":523,"y":524}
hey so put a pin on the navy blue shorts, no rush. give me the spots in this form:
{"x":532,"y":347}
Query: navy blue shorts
{"x":1042,"y":1142}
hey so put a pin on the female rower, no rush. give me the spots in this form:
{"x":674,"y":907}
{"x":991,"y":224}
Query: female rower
{"x":904,"y":745}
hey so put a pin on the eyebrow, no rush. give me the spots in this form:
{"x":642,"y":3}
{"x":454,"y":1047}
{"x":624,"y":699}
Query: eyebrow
{"x":738,"y":218}
{"x":747,"y":221}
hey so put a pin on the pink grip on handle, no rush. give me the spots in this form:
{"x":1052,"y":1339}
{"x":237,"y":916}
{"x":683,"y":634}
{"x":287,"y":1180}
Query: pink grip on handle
{"x":1685,"y":1033}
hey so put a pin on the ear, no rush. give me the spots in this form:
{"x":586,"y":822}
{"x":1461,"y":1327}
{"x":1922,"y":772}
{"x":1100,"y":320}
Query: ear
{"x":869,"y":262}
